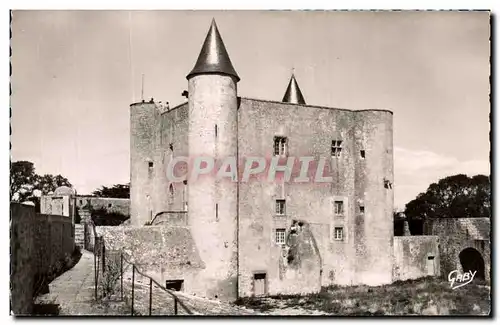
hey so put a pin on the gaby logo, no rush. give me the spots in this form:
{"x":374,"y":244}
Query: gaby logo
{"x":458,"y":280}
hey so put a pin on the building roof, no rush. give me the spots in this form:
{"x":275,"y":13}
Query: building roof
{"x":64,"y":191}
{"x":213,"y":56}
{"x":293,"y":94}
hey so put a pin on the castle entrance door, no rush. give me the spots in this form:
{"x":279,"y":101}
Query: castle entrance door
{"x":259,"y":284}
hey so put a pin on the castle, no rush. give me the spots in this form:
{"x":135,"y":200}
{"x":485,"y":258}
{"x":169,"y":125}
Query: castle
{"x":258,"y":237}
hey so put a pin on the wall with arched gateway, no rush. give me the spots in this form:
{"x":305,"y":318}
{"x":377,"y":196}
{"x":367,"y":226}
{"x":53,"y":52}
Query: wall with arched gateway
{"x":457,"y":234}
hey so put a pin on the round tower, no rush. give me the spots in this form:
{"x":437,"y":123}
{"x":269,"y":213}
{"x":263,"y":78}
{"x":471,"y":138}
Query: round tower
{"x":213,"y":209}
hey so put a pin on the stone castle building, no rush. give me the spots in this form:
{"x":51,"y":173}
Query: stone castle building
{"x":260,"y":237}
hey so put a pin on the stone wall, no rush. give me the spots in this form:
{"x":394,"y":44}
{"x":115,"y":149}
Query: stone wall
{"x":80,"y":236}
{"x":164,"y":253}
{"x":416,"y":257}
{"x":456,"y":235}
{"x":364,"y":256}
{"x":38,"y":243}
{"x":22,"y":250}
{"x":111,"y":205}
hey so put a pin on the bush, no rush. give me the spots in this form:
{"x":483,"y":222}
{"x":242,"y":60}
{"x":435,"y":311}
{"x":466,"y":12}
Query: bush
{"x":110,"y":275}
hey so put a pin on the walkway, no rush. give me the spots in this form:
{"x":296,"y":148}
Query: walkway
{"x":73,"y":291}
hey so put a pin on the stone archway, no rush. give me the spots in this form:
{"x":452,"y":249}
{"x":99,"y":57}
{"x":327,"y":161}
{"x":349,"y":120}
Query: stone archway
{"x":471,"y":260}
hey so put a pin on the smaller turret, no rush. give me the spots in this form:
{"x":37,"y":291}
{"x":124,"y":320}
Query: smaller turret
{"x":293,"y":94}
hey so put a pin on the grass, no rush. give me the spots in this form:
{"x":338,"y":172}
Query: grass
{"x":426,"y":296}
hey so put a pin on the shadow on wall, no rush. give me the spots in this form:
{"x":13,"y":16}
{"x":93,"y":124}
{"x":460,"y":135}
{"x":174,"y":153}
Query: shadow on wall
{"x":41,"y":247}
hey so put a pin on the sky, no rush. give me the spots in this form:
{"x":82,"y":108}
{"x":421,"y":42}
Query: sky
{"x":75,"y":73}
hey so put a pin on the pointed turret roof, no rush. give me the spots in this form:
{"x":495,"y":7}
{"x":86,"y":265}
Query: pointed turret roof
{"x":293,"y":94}
{"x":213,"y":57}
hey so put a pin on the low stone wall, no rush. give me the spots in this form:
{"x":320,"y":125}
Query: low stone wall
{"x":22,"y":249}
{"x":416,"y":257}
{"x":38,"y":243}
{"x":80,"y":235}
{"x":163,"y":253}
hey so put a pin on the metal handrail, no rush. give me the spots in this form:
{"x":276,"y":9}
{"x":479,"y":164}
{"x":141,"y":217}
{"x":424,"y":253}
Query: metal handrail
{"x":100,"y":242}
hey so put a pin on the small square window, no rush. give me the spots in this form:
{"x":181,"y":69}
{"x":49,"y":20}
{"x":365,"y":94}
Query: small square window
{"x":110,"y":205}
{"x":280,"y":236}
{"x":336,"y":148}
{"x":362,"y":209}
{"x":174,"y":285}
{"x":280,"y":146}
{"x":339,"y":233}
{"x":362,"y":153}
{"x":339,"y":208}
{"x":150,"y":164}
{"x":280,"y":207}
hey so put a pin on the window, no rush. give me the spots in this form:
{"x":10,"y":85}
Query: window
{"x":174,"y":285}
{"x":171,"y":146}
{"x":339,"y":208}
{"x":336,"y":148}
{"x":216,"y":212}
{"x":150,"y":164}
{"x":280,"y":236}
{"x":339,"y":233}
{"x":216,"y":130}
{"x":361,"y":209}
{"x":362,"y":153}
{"x":184,"y":195}
{"x":280,"y":146}
{"x":171,"y":190}
{"x":280,"y":207}
{"x":110,"y":205}
{"x":387,"y":184}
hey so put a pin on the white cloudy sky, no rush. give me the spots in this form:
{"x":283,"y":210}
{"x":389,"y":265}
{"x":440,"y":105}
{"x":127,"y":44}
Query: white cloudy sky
{"x":75,"y":74}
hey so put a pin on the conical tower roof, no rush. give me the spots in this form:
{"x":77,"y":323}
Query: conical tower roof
{"x":293,"y":94}
{"x":213,"y":57}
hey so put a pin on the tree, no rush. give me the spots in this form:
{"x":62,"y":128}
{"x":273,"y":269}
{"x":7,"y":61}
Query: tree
{"x":103,"y":217}
{"x":26,"y":185}
{"x":22,"y":178}
{"x":457,"y":196}
{"x":48,"y":183}
{"x":120,"y":191}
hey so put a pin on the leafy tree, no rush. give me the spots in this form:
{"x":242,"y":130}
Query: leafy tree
{"x":103,"y":217}
{"x":26,"y":185}
{"x":457,"y":196}
{"x":120,"y":191}
{"x":22,"y":178}
{"x":48,"y":183}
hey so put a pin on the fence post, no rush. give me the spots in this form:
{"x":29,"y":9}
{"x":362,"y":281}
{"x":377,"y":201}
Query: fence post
{"x":175,"y":305}
{"x":133,"y":279}
{"x":103,"y":250}
{"x":95,"y":275}
{"x":121,"y":273}
{"x":150,"y":295}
